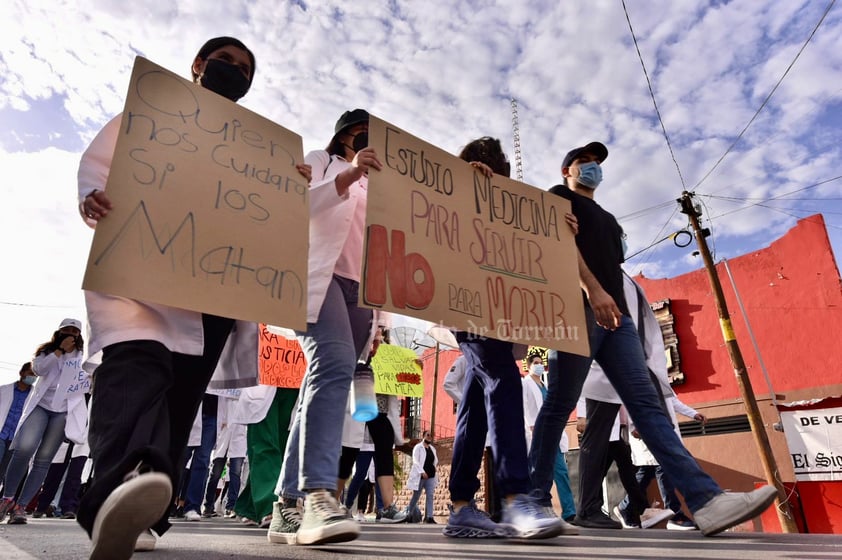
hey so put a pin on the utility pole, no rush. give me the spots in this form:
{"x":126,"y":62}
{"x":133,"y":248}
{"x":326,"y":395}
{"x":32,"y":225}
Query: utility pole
{"x":435,"y":391}
{"x":761,"y":439}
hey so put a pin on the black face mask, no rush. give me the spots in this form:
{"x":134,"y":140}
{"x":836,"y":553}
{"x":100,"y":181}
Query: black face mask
{"x":360,"y":141}
{"x":225,"y":79}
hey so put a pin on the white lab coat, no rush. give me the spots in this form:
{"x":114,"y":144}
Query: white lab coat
{"x":419,"y":455}
{"x":7,"y":395}
{"x":532,"y":402}
{"x":71,"y":382}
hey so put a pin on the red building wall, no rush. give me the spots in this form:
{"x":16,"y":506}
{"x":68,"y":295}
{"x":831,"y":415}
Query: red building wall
{"x":792,"y":296}
{"x":791,"y":292}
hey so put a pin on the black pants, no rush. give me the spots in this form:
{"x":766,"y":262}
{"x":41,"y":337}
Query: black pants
{"x":144,"y":401}
{"x":596,"y":453}
{"x":383,"y":437}
{"x":69,"y":499}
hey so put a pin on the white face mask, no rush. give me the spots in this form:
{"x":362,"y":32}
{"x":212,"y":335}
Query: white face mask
{"x":537,"y":369}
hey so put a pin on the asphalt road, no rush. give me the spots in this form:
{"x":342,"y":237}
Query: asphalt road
{"x":219,"y":538}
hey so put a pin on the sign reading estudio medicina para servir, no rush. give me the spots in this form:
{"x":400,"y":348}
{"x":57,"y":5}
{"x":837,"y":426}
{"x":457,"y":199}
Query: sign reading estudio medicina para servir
{"x":486,"y":255}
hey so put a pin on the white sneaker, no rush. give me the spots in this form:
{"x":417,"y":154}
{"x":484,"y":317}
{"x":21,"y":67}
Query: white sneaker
{"x":529,"y":519}
{"x":192,"y":515}
{"x":129,"y":510}
{"x":729,"y":509}
{"x":324,"y":522}
{"x":146,"y":541}
{"x":653,"y":516}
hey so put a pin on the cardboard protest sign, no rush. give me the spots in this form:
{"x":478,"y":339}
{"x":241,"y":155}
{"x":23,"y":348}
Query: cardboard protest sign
{"x":397,"y":372}
{"x":281,"y":360}
{"x":210,"y":213}
{"x":486,"y":255}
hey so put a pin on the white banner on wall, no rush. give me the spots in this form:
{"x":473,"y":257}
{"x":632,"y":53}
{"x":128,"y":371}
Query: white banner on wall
{"x":814,"y":437}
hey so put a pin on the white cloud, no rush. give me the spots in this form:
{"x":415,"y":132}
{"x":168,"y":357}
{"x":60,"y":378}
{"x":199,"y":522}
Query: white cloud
{"x":445,"y":71}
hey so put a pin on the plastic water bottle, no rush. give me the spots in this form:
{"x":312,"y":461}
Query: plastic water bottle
{"x":363,"y":401}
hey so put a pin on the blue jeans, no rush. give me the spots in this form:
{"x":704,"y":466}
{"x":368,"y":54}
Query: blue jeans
{"x":332,"y":346}
{"x":40,"y":435}
{"x":364,"y":459}
{"x":428,"y":485}
{"x":620,"y":354}
{"x":644,"y":476}
{"x":199,"y":466}
{"x":562,"y":486}
{"x":489,"y":406}
{"x":235,"y":469}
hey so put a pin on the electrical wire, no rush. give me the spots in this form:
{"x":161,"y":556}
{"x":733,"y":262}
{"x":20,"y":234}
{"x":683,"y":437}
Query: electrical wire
{"x":640,"y":213}
{"x":814,"y":185}
{"x":652,"y":95}
{"x":710,"y":228}
{"x":768,"y":97}
{"x":655,"y":239}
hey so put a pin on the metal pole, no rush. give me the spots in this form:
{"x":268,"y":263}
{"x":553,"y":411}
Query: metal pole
{"x":435,"y":392}
{"x":761,"y":439}
{"x":751,"y":336}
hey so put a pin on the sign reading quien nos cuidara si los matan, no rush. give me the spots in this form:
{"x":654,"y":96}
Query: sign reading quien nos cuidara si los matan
{"x":486,"y":255}
{"x":210,"y":213}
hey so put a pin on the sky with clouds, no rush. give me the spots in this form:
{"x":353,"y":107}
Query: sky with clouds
{"x":446,"y":72}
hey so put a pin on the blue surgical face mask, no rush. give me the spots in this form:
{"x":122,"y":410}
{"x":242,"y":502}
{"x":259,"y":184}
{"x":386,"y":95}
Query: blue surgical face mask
{"x":537,"y":369}
{"x":590,"y":175}
{"x":29,"y":379}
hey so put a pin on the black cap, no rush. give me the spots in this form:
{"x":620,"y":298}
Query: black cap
{"x":219,"y":42}
{"x":349,"y":119}
{"x":595,"y":148}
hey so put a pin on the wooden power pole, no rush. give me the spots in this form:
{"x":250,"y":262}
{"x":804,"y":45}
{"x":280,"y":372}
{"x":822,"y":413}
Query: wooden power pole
{"x":761,"y":439}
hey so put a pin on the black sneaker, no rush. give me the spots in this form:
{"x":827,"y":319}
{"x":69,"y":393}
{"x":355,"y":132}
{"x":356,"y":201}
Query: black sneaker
{"x":596,"y":521}
{"x":430,"y":521}
{"x":628,"y":519}
{"x":681,"y":522}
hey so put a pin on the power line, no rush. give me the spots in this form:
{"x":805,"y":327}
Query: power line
{"x":659,"y":234}
{"x":38,"y":306}
{"x":814,"y":185}
{"x":768,"y":97}
{"x":644,"y":211}
{"x":652,"y":95}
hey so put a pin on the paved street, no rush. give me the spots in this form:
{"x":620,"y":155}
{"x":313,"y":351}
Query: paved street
{"x":218,"y":538}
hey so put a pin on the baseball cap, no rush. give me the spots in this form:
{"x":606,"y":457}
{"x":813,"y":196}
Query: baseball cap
{"x":350,"y":118}
{"x":596,"y":148}
{"x":71,"y":323}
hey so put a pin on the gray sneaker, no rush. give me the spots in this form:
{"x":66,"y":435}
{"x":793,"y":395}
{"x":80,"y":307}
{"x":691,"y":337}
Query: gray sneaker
{"x":729,"y":509}
{"x":392,"y":515}
{"x":284,"y":525}
{"x":471,"y":523}
{"x":323,"y":521}
{"x":566,"y":528}
{"x":530,"y":520}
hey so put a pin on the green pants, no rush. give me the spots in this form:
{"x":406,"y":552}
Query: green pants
{"x":267,"y":441}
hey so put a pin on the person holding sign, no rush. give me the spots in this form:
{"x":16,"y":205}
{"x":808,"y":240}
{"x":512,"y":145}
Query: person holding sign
{"x":55,"y":410}
{"x":488,"y":406}
{"x":157,"y":360}
{"x":338,"y":335}
{"x":616,"y":346}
